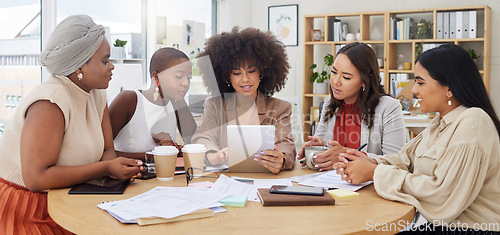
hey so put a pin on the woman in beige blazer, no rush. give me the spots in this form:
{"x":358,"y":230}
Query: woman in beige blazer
{"x":248,"y":66}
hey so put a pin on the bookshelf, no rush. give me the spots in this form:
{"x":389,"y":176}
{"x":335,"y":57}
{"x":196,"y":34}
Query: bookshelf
{"x":375,"y":30}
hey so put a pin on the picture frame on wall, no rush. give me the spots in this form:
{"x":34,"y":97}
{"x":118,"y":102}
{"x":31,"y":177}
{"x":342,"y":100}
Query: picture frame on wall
{"x":283,"y":22}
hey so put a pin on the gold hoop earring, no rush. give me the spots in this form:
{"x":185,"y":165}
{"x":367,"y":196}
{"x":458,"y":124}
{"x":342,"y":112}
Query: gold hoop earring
{"x":157,"y":91}
{"x":80,"y":76}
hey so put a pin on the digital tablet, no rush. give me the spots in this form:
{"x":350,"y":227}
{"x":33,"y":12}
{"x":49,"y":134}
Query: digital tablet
{"x":103,"y":185}
{"x":243,"y":142}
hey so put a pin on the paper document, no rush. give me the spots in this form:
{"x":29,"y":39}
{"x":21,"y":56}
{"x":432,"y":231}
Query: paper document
{"x":263,"y":183}
{"x":227,"y":186}
{"x":297,"y":179}
{"x":330,"y":179}
{"x":164,"y":202}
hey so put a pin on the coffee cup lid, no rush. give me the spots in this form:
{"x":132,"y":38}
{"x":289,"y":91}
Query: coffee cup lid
{"x":165,"y":150}
{"x":194,"y":148}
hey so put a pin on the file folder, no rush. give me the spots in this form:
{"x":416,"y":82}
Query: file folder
{"x":446,"y":25}
{"x":453,"y":25}
{"x":465,"y":31}
{"x":459,"y":25}
{"x":439,"y":25}
{"x":472,"y":24}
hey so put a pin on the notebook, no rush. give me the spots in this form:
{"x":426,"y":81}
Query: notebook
{"x":203,"y":213}
{"x":243,"y":142}
{"x":276,"y":199}
{"x":104,"y":185}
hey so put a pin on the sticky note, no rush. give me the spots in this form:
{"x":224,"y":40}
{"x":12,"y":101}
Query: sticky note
{"x":342,"y":193}
{"x":234,"y":201}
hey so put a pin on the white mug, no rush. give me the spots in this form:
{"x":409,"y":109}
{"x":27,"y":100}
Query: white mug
{"x":310,"y":152}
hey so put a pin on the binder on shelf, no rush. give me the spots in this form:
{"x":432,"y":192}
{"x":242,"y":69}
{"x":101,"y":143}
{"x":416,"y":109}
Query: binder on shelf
{"x":472,"y":24}
{"x":336,"y":30}
{"x":331,"y":21}
{"x":446,"y":25}
{"x":465,"y":31}
{"x":453,"y":25}
{"x":439,"y":25}
{"x":398,"y":30}
{"x":391,"y":33}
{"x":459,"y":25}
{"x":408,"y":28}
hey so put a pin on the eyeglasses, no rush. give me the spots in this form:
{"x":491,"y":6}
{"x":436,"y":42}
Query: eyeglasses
{"x":190,"y":175}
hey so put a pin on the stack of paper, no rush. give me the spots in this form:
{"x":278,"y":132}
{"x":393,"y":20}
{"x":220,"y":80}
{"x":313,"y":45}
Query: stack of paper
{"x":330,"y":179}
{"x":163,"y":202}
{"x":194,"y":215}
{"x":245,"y":186}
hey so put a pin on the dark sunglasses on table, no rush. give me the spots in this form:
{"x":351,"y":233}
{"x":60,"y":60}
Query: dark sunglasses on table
{"x":190,"y":175}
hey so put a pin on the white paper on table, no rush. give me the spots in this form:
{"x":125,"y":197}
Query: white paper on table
{"x":227,"y":186}
{"x":218,"y":209}
{"x":300,"y":178}
{"x":164,"y":202}
{"x":330,"y":179}
{"x":221,"y":168}
{"x":263,"y":183}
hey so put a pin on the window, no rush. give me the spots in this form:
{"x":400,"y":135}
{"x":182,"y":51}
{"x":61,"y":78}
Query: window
{"x":186,"y":25}
{"x":19,"y":51}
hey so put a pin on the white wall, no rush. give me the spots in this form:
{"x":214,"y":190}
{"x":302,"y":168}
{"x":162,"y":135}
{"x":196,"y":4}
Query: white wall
{"x":253,"y":13}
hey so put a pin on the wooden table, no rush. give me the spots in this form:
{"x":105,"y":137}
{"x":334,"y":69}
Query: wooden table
{"x":80,"y":214}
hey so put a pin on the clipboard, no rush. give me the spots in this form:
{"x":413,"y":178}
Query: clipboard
{"x":103,"y":185}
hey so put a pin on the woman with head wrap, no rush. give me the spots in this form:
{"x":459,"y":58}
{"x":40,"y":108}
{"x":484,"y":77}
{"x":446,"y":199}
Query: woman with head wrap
{"x":60,"y":135}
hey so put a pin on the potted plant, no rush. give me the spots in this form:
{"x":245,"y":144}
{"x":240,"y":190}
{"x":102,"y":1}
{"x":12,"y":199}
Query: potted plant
{"x":118,"y":49}
{"x":473,"y":55}
{"x":424,"y":29}
{"x":320,"y":79}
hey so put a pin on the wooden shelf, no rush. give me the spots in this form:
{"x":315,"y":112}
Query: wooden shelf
{"x":316,"y":95}
{"x":438,"y":40}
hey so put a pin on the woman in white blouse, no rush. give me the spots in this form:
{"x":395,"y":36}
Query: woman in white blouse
{"x":451,"y":171}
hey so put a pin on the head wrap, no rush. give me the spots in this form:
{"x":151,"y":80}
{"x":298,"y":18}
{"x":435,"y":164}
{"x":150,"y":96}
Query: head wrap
{"x":73,"y":42}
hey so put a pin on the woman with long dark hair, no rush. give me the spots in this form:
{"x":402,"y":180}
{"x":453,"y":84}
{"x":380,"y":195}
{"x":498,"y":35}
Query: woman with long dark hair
{"x":451,"y":171}
{"x":358,"y":110}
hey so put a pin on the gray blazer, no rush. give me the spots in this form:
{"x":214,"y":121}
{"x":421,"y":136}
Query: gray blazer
{"x":386,"y":136}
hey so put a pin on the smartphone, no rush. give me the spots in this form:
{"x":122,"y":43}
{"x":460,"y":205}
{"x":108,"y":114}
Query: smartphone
{"x":300,"y":190}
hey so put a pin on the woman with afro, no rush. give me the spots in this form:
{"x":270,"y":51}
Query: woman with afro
{"x":242,"y":70}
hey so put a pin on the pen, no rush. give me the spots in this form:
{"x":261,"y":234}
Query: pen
{"x":362,"y":146}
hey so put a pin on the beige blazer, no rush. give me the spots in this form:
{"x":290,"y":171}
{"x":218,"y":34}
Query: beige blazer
{"x":271,"y":111}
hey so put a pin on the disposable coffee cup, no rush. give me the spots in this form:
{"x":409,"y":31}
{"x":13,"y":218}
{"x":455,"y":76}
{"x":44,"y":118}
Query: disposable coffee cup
{"x":310,"y":152}
{"x":194,"y":156}
{"x":165,"y":158}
